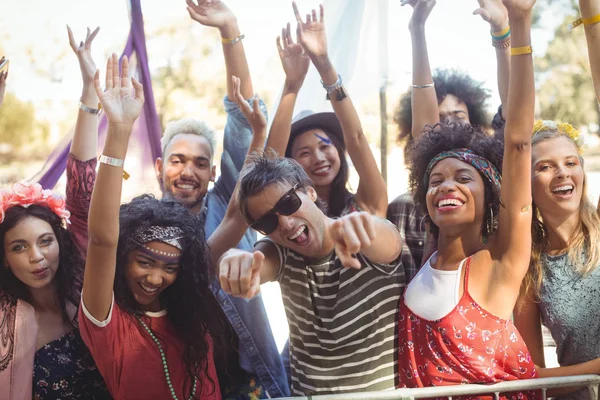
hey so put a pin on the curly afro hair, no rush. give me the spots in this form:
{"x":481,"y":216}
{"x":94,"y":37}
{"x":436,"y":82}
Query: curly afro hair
{"x":456,"y":83}
{"x":444,"y":137}
{"x":69,"y":275}
{"x":189,"y":301}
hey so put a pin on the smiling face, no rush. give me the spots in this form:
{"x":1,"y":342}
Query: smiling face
{"x":557,"y":176}
{"x":302,"y":231}
{"x":453,"y":109}
{"x":317,"y":154}
{"x":32,"y":252}
{"x":456,"y":196}
{"x":149,"y":273}
{"x":186,"y":170}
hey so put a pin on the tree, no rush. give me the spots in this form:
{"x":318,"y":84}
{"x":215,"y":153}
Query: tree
{"x":565,"y":88}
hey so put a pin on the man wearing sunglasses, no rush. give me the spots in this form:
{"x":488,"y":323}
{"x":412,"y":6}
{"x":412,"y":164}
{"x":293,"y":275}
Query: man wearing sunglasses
{"x":340,"y":279}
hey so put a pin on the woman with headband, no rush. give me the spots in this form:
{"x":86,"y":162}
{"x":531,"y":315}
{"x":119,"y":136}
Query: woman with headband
{"x":147,"y":313}
{"x":44,"y":241}
{"x":454,"y":322}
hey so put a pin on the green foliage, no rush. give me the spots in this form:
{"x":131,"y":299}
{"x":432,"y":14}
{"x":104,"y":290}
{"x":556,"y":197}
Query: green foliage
{"x":566,"y":92}
{"x":16,"y":121}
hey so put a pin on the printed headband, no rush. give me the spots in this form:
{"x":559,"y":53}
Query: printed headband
{"x":481,"y":164}
{"x":26,"y":194}
{"x":170,"y":235}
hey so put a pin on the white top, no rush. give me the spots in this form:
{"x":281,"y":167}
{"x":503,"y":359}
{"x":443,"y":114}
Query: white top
{"x":432,"y":293}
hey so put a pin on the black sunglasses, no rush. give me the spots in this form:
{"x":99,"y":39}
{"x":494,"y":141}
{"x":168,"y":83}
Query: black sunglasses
{"x":288,"y":204}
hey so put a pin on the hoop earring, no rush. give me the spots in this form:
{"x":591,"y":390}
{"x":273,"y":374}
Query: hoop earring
{"x":491,"y":224}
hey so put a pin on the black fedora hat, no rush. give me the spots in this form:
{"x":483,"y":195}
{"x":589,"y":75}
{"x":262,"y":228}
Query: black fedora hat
{"x":307,"y":120}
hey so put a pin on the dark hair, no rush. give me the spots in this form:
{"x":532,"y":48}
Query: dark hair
{"x":69,"y":275}
{"x":444,"y":137}
{"x":339,"y":194}
{"x":266,"y":169}
{"x":453,"y":82}
{"x":189,"y":301}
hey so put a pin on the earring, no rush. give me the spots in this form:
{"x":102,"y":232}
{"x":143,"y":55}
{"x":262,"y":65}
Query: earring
{"x":491,"y":223}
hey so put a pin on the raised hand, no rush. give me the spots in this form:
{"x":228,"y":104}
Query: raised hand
{"x":120,"y":106}
{"x":295,"y":63}
{"x":83,"y":51}
{"x":519,"y":7}
{"x":3,"y":77}
{"x":254,"y":115}
{"x":210,"y":13}
{"x":494,"y":13}
{"x":351,"y":234}
{"x":311,"y":32}
{"x":421,"y":11}
{"x":239,"y":272}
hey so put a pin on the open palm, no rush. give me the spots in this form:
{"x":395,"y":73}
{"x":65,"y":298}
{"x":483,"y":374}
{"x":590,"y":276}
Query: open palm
{"x":120,"y":106}
{"x":311,"y":33}
{"x":210,"y":12}
{"x":295,"y":63}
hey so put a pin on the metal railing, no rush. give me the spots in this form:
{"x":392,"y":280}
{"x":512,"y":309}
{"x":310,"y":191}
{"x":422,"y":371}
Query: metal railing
{"x":543,"y":384}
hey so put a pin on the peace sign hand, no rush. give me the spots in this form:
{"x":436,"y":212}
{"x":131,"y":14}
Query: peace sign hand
{"x":120,"y":107}
{"x":295,"y":63}
{"x":83,"y":51}
{"x":311,"y":33}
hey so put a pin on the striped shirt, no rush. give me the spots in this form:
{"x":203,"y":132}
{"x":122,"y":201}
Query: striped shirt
{"x":342,"y":323}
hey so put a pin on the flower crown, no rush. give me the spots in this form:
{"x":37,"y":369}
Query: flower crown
{"x":25,"y":194}
{"x":564,"y":128}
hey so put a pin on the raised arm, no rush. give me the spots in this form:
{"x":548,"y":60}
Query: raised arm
{"x":295,"y":65}
{"x":3,"y":77}
{"x":495,"y":13}
{"x":511,"y":244}
{"x":85,"y":139}
{"x":590,"y":10}
{"x":233,"y":226}
{"x":424,"y":102}
{"x":371,"y":195}
{"x":215,"y":13}
{"x":122,"y":107}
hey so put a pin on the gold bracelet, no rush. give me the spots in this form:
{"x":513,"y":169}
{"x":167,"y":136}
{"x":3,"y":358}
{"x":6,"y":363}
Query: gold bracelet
{"x":519,"y":51}
{"x":501,"y":44}
{"x":232,"y":40}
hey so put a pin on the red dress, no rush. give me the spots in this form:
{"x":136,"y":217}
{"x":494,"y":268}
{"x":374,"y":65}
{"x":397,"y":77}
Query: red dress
{"x":468,"y":345}
{"x":130,"y":362}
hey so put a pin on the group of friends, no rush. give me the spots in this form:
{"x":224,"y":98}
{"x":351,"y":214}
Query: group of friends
{"x":448,"y":284}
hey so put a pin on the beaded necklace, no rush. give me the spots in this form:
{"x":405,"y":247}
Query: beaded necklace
{"x":164,"y":361}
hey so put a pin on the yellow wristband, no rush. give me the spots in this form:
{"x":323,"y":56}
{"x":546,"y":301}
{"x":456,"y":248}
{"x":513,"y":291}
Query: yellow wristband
{"x":591,"y":20}
{"x":502,"y":32}
{"x":519,"y":51}
{"x":232,"y":40}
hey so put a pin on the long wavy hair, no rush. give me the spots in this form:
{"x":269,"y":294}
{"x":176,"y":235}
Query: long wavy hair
{"x":584,"y":243}
{"x":69,"y":275}
{"x":189,"y":301}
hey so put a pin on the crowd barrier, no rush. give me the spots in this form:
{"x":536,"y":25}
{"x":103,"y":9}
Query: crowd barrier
{"x":543,"y":384}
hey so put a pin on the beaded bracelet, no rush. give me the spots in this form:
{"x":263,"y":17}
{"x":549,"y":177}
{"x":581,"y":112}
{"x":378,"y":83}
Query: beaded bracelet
{"x":501,"y":44}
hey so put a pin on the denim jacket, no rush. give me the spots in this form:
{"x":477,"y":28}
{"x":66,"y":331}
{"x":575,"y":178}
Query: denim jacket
{"x":258,"y":351}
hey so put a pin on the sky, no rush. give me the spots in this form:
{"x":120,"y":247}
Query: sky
{"x":457,"y":39}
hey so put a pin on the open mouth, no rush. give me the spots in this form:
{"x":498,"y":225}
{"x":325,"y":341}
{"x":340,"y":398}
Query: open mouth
{"x":148,"y":289}
{"x":186,"y":185}
{"x":563,"y":190}
{"x":300,"y":235}
{"x":449,"y":204}
{"x":322,"y":171}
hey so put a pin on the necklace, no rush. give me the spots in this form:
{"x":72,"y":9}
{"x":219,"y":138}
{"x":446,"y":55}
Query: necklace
{"x":164,"y":361}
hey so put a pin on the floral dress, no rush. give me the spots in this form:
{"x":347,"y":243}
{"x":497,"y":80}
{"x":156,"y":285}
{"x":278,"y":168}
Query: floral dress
{"x":65,"y":369}
{"x":468,"y":345}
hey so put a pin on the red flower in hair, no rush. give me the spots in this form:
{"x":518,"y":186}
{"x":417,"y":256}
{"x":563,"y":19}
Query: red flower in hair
{"x":25,"y":194}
